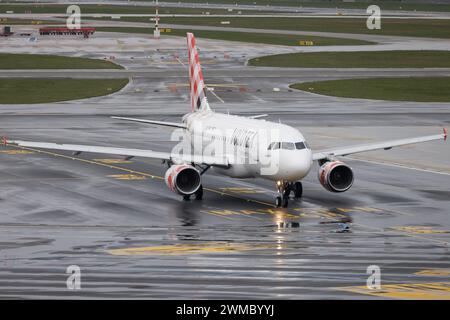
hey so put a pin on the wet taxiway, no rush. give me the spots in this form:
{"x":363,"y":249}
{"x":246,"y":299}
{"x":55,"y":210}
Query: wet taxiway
{"x":133,"y":238}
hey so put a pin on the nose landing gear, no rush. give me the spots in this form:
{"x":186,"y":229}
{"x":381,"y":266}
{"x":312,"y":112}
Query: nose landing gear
{"x":298,"y":189}
{"x":284,"y":190}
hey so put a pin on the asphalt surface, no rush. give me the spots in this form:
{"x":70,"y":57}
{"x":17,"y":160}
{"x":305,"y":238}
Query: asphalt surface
{"x":251,"y":73}
{"x":133,"y":238}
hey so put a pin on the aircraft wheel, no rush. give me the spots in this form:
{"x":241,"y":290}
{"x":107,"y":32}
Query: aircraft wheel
{"x":186,"y":197}
{"x":285,"y":202}
{"x":199,"y":193}
{"x":298,"y":189}
{"x":278,"y":201}
{"x":287,"y":191}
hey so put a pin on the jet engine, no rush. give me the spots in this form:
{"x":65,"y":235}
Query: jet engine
{"x":336,"y":176}
{"x":183,"y":179}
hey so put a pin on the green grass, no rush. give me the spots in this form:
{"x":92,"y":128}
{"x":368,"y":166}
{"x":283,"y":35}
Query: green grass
{"x":357,"y":59}
{"x":8,"y":21}
{"x":429,"y":28}
{"x":420,"y":89}
{"x":41,"y":61}
{"x":277,"y":39}
{"x":296,"y":4}
{"x":17,"y":91}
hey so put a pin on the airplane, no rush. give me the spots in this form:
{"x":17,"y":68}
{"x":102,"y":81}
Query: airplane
{"x":236,"y":148}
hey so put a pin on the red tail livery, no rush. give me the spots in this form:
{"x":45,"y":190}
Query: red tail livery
{"x":196,"y":84}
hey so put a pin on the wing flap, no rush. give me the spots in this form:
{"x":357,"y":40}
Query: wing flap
{"x":344,"y":151}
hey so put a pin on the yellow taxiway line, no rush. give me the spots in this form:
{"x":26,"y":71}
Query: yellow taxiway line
{"x":422,"y":291}
{"x":180,"y":249}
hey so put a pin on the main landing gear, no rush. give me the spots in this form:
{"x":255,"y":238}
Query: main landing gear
{"x":284,"y":190}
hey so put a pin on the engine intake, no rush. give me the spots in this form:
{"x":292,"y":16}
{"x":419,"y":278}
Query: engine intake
{"x":336,"y":176}
{"x":183,"y":179}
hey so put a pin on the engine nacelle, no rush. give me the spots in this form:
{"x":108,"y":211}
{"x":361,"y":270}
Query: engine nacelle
{"x":336,"y":176}
{"x":183,"y":179}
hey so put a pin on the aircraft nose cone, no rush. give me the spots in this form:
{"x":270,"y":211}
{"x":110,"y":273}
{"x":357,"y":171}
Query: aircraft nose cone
{"x":296,"y":166}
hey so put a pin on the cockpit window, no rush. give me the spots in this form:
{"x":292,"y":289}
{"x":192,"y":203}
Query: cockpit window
{"x":301,"y":145}
{"x":287,"y":146}
{"x":281,"y":145}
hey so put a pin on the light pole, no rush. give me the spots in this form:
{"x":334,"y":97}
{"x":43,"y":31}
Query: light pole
{"x":156,"y":33}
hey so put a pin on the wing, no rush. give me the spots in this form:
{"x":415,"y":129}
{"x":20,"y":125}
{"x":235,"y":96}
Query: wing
{"x":324,"y":154}
{"x":177,"y":158}
{"x":159,"y":123}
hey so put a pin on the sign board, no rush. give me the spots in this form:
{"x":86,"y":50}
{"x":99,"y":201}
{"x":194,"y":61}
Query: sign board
{"x":306,"y":43}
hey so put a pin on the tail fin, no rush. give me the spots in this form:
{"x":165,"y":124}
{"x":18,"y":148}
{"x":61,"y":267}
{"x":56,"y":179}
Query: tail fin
{"x":196,"y":84}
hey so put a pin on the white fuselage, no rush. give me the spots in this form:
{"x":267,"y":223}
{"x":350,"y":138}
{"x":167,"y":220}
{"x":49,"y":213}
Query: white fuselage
{"x":256,"y":148}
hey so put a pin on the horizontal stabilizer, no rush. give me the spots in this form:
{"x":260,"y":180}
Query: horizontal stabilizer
{"x":155,"y":122}
{"x":258,"y":116}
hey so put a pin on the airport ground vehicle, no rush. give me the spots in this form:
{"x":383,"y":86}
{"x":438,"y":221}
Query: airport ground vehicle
{"x":86,"y":32}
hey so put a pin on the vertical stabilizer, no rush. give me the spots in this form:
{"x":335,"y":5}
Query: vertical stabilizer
{"x":196,"y":84}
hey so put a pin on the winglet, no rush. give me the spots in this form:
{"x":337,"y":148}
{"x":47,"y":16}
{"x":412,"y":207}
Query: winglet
{"x":445,"y":134}
{"x":4,"y":141}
